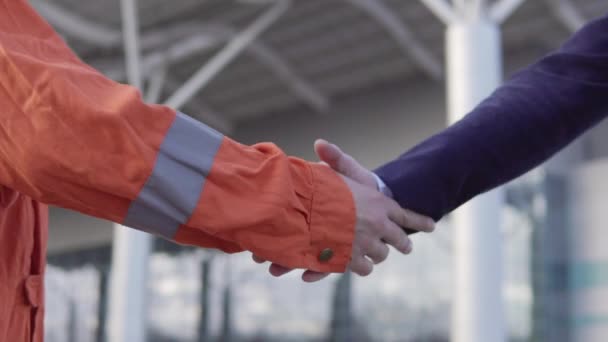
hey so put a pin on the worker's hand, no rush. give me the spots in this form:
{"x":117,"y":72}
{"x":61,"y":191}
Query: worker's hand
{"x":379,"y":219}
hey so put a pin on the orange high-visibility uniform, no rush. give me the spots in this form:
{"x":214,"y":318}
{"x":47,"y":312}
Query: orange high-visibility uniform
{"x":73,"y":138}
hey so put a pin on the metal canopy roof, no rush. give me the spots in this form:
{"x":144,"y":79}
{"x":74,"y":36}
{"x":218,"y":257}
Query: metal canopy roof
{"x":318,"y":50}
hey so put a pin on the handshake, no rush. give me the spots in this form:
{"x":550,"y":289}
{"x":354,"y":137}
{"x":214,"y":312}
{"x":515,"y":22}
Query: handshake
{"x":380,"y":220}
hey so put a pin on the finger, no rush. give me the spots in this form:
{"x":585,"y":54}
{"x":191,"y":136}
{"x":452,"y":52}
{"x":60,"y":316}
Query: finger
{"x":396,"y":237}
{"x":408,"y":219}
{"x":278,"y":270}
{"x":331,"y":155}
{"x":312,"y":276}
{"x":257,"y":259}
{"x":362,"y":266}
{"x":378,"y":252}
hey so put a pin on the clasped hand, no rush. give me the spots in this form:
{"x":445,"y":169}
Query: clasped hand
{"x":380,"y":220}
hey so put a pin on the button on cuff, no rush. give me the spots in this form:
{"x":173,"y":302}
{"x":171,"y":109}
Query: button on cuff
{"x":326,"y":255}
{"x":332,"y":224}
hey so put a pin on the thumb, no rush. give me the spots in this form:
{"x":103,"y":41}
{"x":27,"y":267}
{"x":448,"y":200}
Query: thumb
{"x":343,"y":163}
{"x":331,"y":155}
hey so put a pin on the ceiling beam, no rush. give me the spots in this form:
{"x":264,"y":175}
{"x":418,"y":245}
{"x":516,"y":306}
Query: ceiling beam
{"x":180,"y":50}
{"x":87,"y":31}
{"x":199,"y":38}
{"x":203,"y":111}
{"x":156,"y":85}
{"x":502,"y":9}
{"x":204,"y":38}
{"x":212,"y":118}
{"x":300,"y":87}
{"x":406,"y":40}
{"x":226,"y":55}
{"x":75,"y":26}
{"x":567,"y":13}
{"x":442,"y":10}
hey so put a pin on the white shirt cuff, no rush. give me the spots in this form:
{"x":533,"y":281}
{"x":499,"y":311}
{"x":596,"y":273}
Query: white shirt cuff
{"x":382,"y":186}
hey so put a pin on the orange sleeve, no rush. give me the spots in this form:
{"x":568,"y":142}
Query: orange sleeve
{"x":73,"y":138}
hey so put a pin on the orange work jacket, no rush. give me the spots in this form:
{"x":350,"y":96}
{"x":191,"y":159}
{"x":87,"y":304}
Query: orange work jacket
{"x":71,"y":137}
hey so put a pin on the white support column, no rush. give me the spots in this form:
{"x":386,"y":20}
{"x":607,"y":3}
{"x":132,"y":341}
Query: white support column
{"x":474,"y":71}
{"x":129,"y":274}
{"x":588,"y":254}
{"x":474,"y":68}
{"x":130,"y":29}
{"x":128,"y":285}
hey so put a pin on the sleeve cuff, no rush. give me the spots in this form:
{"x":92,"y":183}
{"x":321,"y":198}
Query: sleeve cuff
{"x":332,"y":222}
{"x":382,"y":187}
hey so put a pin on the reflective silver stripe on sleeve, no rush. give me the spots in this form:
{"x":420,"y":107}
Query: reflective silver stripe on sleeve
{"x":172,"y":192}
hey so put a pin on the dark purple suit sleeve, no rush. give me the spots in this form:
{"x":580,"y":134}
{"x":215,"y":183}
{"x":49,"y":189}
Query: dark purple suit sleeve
{"x":524,"y":122}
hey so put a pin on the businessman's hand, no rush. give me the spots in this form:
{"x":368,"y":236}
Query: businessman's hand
{"x":379,"y":219}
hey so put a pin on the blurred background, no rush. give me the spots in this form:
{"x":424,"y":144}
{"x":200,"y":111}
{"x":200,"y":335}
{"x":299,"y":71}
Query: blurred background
{"x":369,"y":76}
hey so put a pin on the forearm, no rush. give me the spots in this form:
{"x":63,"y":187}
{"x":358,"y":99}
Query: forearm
{"x":73,"y":138}
{"x":526,"y":121}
